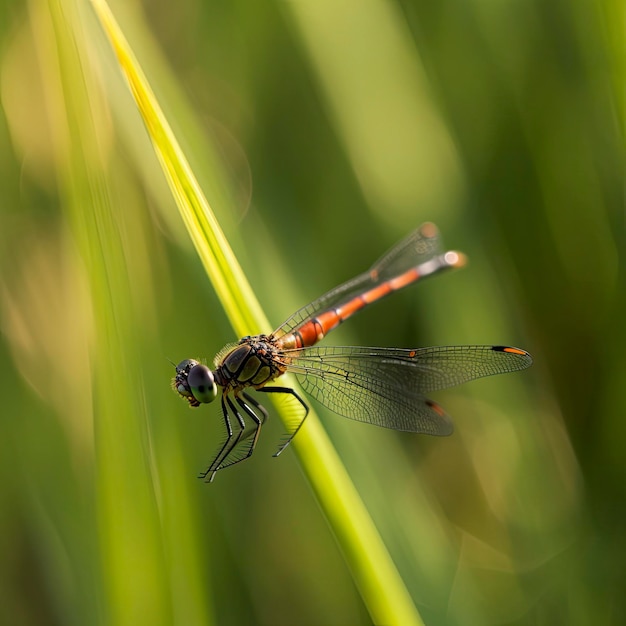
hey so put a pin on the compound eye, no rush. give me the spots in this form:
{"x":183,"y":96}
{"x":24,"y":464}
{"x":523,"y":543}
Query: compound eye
{"x":180,"y":380}
{"x":202,"y":384}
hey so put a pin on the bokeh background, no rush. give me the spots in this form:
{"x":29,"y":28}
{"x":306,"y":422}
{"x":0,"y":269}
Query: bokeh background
{"x":321,"y":132}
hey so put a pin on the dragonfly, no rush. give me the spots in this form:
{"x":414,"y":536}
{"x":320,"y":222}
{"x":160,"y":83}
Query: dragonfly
{"x":382,"y":386}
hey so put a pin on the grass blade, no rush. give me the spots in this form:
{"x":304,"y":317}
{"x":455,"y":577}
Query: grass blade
{"x":380,"y":585}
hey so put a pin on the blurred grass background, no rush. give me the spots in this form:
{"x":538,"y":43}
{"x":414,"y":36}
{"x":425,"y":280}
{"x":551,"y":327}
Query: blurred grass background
{"x":321,"y":133}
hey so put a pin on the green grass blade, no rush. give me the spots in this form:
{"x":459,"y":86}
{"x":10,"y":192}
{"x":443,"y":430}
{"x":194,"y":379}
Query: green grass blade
{"x":381,"y":587}
{"x":128,"y":527}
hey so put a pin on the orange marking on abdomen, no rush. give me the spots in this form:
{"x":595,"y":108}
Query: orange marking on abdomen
{"x":308,"y":333}
{"x":328,"y":320}
{"x":403,"y":280}
{"x":376,"y":293}
{"x":350,"y":308}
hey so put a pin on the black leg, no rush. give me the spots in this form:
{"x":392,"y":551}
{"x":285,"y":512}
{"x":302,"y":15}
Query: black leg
{"x":257,"y":427}
{"x":231,"y":441}
{"x":292,"y":434}
{"x":259,"y":407}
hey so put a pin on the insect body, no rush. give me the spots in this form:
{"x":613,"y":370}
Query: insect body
{"x":381,"y":386}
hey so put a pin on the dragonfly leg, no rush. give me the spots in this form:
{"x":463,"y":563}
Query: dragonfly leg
{"x":259,"y":407}
{"x":231,"y":439}
{"x":292,"y":434}
{"x":258,"y":422}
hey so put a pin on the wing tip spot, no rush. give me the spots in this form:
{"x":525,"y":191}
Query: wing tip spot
{"x":429,"y":230}
{"x":510,"y":350}
{"x":436,"y":408}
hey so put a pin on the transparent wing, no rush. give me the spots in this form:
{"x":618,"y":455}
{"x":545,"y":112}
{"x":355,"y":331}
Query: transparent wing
{"x":420,"y":246}
{"x":386,"y":386}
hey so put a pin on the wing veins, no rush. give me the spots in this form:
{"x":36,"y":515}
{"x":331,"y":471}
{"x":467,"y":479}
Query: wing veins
{"x":416,"y":371}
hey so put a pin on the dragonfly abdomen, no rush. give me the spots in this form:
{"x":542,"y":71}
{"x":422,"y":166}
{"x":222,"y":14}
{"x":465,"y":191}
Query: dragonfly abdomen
{"x":315,"y":329}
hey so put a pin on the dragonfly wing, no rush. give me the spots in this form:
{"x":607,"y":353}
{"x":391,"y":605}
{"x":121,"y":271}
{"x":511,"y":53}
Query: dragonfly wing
{"x":416,"y":248}
{"x":381,"y":407}
{"x":386,"y":386}
{"x":420,"y":246}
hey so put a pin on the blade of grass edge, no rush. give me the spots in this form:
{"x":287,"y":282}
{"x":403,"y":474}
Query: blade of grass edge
{"x":121,"y":517}
{"x":375,"y":574}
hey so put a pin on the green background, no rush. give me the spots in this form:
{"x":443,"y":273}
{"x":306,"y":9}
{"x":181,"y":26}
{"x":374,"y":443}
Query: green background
{"x":321,"y":134}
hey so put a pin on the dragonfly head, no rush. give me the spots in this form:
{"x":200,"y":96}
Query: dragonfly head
{"x":195,"y":382}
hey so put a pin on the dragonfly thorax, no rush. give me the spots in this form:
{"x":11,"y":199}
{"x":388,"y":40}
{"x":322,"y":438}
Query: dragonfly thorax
{"x":253,"y":362}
